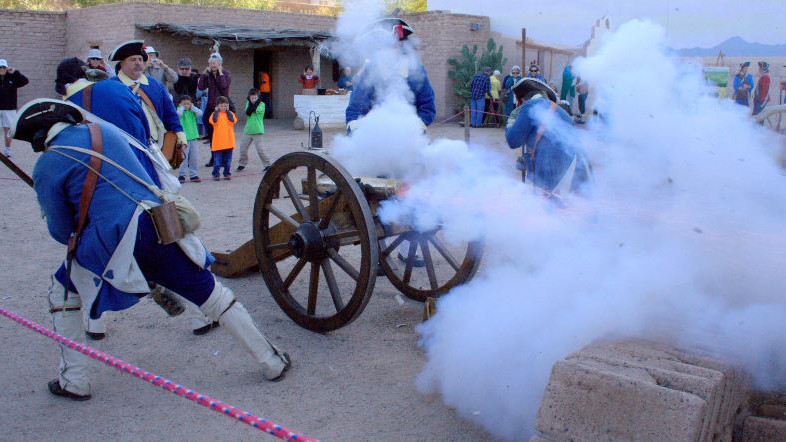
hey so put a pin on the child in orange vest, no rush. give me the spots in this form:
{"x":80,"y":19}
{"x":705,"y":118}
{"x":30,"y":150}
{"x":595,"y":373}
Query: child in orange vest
{"x":222,"y":121}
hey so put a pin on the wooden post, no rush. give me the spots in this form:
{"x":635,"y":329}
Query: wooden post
{"x":524,"y":51}
{"x":466,"y":124}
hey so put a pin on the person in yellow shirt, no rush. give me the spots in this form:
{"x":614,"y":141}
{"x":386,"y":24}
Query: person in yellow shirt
{"x":223,"y":121}
{"x":494,"y":88}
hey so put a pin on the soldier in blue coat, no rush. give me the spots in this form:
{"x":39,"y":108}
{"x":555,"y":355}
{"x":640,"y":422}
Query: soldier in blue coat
{"x":109,"y":100}
{"x":162,"y":116}
{"x":364,"y":93}
{"x":118,"y":251}
{"x":543,"y":129}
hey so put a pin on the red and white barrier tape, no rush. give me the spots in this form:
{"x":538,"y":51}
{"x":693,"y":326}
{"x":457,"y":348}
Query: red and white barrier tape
{"x":206,"y":401}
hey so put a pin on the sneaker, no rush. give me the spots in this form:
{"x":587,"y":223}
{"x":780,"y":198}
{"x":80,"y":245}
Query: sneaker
{"x":239,"y":168}
{"x":182,"y":179}
{"x":216,"y":178}
{"x":418,"y":260}
{"x":196,"y":179}
{"x":7,"y":152}
{"x":57,"y":390}
{"x":227,"y":177}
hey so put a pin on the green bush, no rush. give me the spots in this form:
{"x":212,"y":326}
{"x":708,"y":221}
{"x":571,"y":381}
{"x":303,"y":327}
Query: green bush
{"x":467,"y":64}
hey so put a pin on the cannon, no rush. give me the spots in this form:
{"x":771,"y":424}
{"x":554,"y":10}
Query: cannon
{"x":320,"y":249}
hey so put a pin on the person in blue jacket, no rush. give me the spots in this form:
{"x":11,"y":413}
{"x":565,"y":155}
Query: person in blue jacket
{"x":162,"y":116}
{"x":109,"y":100}
{"x":743,"y":85}
{"x":118,"y":251}
{"x":552,"y":161}
{"x":364,"y":96}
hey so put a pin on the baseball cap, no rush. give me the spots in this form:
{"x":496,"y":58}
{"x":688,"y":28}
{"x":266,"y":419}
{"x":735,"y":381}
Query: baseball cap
{"x":3,"y":63}
{"x":94,"y":53}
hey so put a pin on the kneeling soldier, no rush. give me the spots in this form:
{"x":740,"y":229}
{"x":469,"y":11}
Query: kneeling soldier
{"x":97,"y":199}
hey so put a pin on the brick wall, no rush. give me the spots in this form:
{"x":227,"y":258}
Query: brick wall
{"x":441,"y":36}
{"x":33,"y":43}
{"x":53,"y":36}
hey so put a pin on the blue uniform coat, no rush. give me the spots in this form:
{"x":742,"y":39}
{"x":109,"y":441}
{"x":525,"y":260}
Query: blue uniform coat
{"x":165,"y":108}
{"x":105,"y":272}
{"x":113,"y":102}
{"x":555,"y":153}
{"x":363,"y":96}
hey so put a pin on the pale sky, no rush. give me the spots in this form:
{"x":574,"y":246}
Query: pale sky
{"x":689,"y":23}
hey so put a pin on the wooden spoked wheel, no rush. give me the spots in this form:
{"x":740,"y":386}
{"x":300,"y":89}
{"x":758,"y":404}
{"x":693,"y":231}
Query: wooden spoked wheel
{"x":320,"y":262}
{"x":445,"y":265}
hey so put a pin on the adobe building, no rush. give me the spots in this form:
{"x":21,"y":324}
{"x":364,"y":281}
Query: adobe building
{"x":280,"y":43}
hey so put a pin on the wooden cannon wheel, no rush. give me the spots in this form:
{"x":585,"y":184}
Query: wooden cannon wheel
{"x":335,"y":229}
{"x":462,"y":262}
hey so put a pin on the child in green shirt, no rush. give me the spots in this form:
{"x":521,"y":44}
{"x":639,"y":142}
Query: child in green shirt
{"x":189,"y":115}
{"x":255,"y":127}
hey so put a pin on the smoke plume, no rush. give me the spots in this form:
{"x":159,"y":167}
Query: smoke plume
{"x":681,"y":240}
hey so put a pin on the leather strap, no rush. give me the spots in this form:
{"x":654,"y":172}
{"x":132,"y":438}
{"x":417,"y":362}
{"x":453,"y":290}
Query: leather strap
{"x":145,"y":98}
{"x":64,"y":309}
{"x":89,"y":186}
{"x":87,"y":95}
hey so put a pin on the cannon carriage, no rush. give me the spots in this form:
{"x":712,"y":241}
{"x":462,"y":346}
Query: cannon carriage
{"x":320,"y":249}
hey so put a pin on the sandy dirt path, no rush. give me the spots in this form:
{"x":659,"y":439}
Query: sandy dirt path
{"x":357,"y":383}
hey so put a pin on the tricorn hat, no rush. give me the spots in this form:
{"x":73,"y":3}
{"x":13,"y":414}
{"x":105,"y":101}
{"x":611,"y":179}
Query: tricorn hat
{"x":40,"y":115}
{"x":399,"y":27}
{"x":527,"y":87}
{"x":129,"y":49}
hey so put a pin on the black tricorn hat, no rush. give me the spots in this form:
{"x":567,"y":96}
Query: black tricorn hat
{"x":399,"y":27}
{"x":527,"y":87}
{"x":128,"y":49}
{"x":42,"y":114}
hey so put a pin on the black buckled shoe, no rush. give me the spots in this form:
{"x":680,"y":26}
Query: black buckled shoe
{"x":57,"y":390}
{"x":206,"y":329}
{"x":287,"y":365}
{"x":95,"y":336}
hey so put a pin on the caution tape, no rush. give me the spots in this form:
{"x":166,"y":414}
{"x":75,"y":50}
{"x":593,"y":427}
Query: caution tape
{"x":201,"y":399}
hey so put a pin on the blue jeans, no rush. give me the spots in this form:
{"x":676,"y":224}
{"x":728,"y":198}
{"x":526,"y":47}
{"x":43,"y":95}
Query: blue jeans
{"x":477,"y":106}
{"x":222,"y":158}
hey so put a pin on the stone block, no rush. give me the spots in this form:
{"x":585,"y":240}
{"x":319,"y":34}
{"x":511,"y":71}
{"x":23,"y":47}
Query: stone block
{"x":640,"y":390}
{"x":759,"y":429}
{"x":589,"y":403}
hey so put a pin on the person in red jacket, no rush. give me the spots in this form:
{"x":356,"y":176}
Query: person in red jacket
{"x":309,"y":81}
{"x":761,"y":95}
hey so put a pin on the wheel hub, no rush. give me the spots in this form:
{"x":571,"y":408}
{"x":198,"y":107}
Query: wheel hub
{"x":307,"y":242}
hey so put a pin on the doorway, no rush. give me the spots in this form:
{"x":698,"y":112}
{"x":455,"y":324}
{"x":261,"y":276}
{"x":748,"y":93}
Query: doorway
{"x":262,"y":73}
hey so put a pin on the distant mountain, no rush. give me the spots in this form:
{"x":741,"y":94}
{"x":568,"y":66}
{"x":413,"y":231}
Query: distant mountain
{"x":736,"y":47}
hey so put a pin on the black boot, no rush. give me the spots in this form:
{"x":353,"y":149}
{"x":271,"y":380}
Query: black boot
{"x":57,"y":390}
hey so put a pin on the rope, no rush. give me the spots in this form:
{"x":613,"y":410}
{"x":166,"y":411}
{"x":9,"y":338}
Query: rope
{"x":205,"y":401}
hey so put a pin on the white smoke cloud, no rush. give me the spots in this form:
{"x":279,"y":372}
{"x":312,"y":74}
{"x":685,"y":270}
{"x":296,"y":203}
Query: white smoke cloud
{"x":682,"y":239}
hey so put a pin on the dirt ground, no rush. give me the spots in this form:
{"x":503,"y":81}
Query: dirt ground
{"x":356,"y":383}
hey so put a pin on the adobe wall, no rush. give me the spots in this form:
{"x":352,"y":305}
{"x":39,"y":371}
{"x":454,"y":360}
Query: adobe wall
{"x":33,"y":43}
{"x":47,"y":38}
{"x":442,"y":35}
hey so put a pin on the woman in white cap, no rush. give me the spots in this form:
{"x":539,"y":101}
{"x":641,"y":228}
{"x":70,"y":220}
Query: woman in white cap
{"x":95,"y":60}
{"x":10,"y":81}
